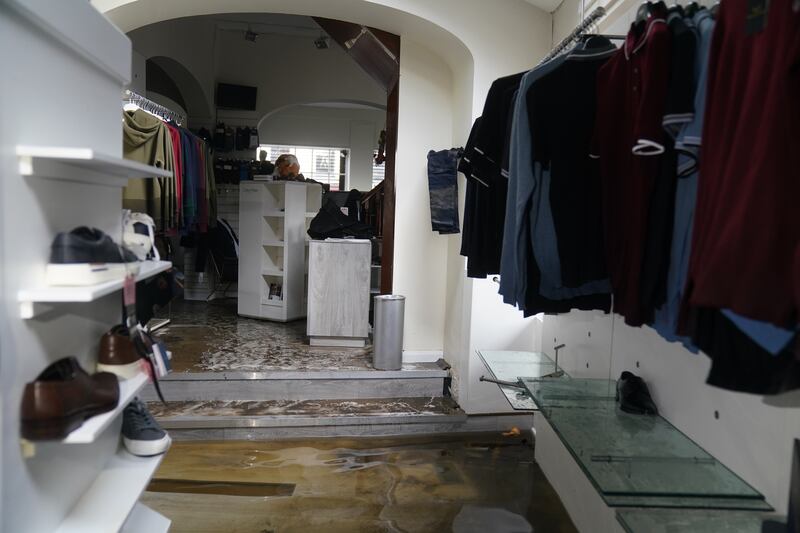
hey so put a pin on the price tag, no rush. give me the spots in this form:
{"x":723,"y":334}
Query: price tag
{"x":129,"y":291}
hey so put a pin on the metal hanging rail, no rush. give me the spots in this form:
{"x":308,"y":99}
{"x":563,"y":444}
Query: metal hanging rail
{"x":580,"y":30}
{"x":152,"y":107}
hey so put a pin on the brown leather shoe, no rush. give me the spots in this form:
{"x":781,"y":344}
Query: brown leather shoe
{"x":118,"y":354}
{"x":62,"y":397}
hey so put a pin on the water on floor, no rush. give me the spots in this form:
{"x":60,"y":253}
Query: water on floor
{"x":211,"y":337}
{"x":474,"y":484}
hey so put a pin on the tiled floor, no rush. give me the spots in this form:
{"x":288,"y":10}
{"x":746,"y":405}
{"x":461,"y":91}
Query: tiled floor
{"x":345,"y":408}
{"x":481,"y":483}
{"x":211,"y":337}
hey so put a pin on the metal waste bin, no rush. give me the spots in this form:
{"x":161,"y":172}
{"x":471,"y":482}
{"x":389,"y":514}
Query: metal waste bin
{"x":388,"y":332}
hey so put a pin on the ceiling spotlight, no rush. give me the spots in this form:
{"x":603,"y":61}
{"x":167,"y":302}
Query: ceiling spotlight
{"x":250,"y":36}
{"x":322,"y":42}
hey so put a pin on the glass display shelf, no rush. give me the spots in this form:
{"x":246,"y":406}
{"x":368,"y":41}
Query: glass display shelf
{"x":631,"y":455}
{"x":507,"y":365}
{"x":668,"y":521}
{"x":687,"y":502}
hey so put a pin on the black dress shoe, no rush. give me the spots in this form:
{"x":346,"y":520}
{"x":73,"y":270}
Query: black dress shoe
{"x":86,"y":256}
{"x":633,"y":396}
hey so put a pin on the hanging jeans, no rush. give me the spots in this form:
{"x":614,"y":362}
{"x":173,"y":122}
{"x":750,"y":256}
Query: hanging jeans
{"x":443,"y":190}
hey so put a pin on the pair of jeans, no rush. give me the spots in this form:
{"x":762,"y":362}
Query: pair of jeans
{"x":443,"y":190}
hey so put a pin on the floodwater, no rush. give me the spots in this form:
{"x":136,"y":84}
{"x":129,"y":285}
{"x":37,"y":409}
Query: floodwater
{"x":465,"y":484}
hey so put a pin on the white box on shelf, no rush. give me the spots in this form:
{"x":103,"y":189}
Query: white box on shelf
{"x":87,"y":293}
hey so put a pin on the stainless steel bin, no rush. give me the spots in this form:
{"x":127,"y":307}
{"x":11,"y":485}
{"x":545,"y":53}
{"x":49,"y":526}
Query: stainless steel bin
{"x":388,"y":332}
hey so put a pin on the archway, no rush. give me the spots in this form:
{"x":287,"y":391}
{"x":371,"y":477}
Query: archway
{"x":193,"y":98}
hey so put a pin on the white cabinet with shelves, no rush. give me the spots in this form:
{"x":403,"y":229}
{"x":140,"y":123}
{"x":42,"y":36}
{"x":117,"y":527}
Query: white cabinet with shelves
{"x":273,"y":258}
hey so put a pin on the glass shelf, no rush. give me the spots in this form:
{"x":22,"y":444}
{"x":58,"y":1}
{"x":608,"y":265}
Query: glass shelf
{"x":511,"y":366}
{"x":667,"y":521}
{"x":630,"y":455}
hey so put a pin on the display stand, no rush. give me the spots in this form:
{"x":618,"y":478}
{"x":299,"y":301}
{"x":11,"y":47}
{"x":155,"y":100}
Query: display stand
{"x":338,"y":290}
{"x":62,"y":167}
{"x":273,"y":257}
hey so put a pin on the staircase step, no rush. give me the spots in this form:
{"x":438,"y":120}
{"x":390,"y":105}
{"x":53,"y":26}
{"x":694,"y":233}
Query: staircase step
{"x":417,"y":380}
{"x":277,"y":419}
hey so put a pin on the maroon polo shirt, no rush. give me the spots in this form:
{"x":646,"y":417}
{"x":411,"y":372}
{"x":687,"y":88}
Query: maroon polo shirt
{"x":746,"y":237}
{"x":628,"y":140}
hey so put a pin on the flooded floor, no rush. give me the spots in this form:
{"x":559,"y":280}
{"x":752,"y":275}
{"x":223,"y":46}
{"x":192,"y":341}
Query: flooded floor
{"x":211,"y":337}
{"x":473,"y":484}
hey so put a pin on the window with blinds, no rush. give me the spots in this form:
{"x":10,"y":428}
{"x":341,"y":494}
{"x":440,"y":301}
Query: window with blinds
{"x":322,"y":164}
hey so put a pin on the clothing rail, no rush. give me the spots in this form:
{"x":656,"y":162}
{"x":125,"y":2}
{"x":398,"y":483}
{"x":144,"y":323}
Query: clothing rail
{"x":152,"y":107}
{"x":575,"y":34}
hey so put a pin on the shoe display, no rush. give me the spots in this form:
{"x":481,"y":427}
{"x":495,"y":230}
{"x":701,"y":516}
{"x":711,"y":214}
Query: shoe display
{"x":141,"y":434}
{"x":633,"y":395}
{"x":118,"y":354}
{"x":86,"y":256}
{"x":62,"y":397}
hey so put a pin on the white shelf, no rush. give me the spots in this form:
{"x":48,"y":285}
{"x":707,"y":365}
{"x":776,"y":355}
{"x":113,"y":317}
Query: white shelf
{"x":274,"y":213}
{"x":28,"y":298}
{"x":94,"y":426}
{"x":273,"y":243}
{"x":273,"y":303}
{"x":107,"y":503}
{"x":310,"y":215}
{"x":82,"y":165}
{"x":145,"y":520}
{"x":272,"y":272}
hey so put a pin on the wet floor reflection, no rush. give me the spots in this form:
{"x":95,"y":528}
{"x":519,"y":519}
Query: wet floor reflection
{"x":211,"y":337}
{"x":479,"y":483}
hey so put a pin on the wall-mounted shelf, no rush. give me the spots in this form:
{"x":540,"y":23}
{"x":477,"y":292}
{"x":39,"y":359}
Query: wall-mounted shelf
{"x":273,"y":303}
{"x":274,"y":213}
{"x":30,"y":298}
{"x":272,"y":272}
{"x":142,"y":518}
{"x":82,"y":165}
{"x":311,"y":215}
{"x":94,"y":426}
{"x":109,"y":500}
{"x":274,"y":243}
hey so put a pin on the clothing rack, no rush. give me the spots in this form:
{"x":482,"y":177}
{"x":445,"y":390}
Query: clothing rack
{"x":579,"y":31}
{"x":152,"y":107}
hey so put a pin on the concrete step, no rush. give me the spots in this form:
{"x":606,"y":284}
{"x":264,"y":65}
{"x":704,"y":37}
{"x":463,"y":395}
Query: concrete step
{"x":415,"y":380}
{"x":282,"y":419}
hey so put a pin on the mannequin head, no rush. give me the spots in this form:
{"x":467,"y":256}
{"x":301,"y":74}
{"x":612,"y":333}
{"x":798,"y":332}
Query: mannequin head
{"x":287,"y":166}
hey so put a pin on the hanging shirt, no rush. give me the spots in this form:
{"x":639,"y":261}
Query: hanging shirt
{"x":746,"y":238}
{"x":631,"y":93}
{"x":566,"y":202}
{"x":486,"y":187}
{"x":688,"y":145}
{"x":516,"y":232}
{"x":175,"y":134}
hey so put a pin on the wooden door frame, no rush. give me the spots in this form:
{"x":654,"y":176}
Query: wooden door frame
{"x":341,"y":32}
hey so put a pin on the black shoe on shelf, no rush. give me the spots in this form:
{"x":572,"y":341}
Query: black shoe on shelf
{"x":86,"y":256}
{"x":633,"y":396}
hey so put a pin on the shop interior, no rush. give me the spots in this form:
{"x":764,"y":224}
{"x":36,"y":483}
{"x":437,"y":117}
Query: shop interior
{"x":379,"y":266}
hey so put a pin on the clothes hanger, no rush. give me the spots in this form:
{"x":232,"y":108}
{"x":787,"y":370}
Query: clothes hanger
{"x":676,"y":7}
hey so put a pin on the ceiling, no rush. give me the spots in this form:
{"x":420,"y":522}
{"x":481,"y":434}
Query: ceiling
{"x":546,"y":5}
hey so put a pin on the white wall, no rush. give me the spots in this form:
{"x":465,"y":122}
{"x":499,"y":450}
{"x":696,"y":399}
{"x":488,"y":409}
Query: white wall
{"x":452,"y":51}
{"x":310,"y":125}
{"x":286,"y":69}
{"x":753,"y":434}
